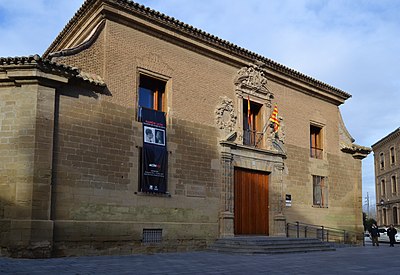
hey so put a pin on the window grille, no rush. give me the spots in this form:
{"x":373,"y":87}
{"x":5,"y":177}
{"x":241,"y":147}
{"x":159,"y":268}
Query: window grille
{"x":152,"y":236}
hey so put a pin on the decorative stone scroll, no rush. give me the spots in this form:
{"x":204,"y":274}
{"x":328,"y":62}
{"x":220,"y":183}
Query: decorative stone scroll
{"x":225,"y":115}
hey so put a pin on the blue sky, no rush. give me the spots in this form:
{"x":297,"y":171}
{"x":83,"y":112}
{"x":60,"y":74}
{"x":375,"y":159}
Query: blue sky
{"x":352,"y":45}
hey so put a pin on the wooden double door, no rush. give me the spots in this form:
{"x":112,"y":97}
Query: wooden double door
{"x":251,"y":213}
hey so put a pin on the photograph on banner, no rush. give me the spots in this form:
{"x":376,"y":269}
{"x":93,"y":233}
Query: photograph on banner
{"x":160,"y":136}
{"x":154,"y":135}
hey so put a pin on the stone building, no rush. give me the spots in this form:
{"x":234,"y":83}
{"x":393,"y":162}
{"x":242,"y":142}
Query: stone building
{"x":387,"y":170}
{"x":240,"y":133}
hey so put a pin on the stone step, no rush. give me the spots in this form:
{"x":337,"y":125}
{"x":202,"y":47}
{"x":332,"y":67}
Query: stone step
{"x":268,"y":245}
{"x":271,"y":251}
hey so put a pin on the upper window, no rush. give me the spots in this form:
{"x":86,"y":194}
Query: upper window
{"x":252,"y":132}
{"x":316,"y":149}
{"x":383,"y":187}
{"x":394,"y":184}
{"x":382,"y":160}
{"x":384,"y":217}
{"x":395,"y":219}
{"x":151,"y":93}
{"x":320,"y":191}
{"x":392,"y":155}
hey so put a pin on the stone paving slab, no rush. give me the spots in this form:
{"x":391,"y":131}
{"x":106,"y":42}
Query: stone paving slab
{"x":349,"y":260}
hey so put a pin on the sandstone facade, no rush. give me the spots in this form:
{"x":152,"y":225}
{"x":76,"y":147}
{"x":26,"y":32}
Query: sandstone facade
{"x":70,"y":140}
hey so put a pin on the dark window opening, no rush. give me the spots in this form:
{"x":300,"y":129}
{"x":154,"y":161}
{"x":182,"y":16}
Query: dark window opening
{"x":392,"y":155}
{"x":382,"y":160}
{"x":151,"y":93}
{"x":252,"y":132}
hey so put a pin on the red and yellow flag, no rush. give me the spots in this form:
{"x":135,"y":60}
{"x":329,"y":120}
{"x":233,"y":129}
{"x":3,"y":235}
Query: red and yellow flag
{"x":248,"y":112}
{"x":274,"y":118}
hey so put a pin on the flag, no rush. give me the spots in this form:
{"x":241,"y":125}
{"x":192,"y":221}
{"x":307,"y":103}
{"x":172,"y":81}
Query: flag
{"x":274,"y":118}
{"x":248,"y":112}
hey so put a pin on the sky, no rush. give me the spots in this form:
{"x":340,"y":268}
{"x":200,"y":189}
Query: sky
{"x":351,"y":45}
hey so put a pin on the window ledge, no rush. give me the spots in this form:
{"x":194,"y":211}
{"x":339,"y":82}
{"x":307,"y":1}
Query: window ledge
{"x":154,"y":194}
{"x":317,"y":206}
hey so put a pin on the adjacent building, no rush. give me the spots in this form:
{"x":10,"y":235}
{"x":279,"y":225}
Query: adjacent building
{"x":136,"y":132}
{"x":387,"y":170}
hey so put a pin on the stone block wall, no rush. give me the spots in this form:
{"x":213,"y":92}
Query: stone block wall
{"x":343,"y":174}
{"x":26,"y":122}
{"x":96,"y":203}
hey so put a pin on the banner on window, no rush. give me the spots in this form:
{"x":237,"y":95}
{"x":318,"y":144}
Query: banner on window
{"x":154,"y":154}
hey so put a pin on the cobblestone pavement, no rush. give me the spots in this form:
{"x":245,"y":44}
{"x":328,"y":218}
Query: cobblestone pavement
{"x":349,"y":260}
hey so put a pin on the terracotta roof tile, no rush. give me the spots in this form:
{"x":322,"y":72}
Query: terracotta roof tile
{"x":49,"y":66}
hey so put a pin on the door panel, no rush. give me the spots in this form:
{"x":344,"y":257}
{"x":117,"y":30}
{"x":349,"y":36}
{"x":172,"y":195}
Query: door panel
{"x":251,"y":202}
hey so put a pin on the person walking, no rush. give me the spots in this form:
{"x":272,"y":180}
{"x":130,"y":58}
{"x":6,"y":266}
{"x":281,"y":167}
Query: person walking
{"x":391,"y":232}
{"x":374,"y":234}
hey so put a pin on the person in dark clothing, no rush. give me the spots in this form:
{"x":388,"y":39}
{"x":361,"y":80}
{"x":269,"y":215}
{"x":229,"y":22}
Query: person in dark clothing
{"x":391,"y":232}
{"x":374,"y":235}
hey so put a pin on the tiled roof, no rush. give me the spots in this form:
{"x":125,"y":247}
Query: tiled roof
{"x":49,"y":66}
{"x":40,"y":62}
{"x":196,"y":34}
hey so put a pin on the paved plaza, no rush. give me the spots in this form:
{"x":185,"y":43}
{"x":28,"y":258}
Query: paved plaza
{"x":349,"y":260}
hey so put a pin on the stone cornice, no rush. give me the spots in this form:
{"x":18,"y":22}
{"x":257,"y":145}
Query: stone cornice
{"x":245,"y":148}
{"x":196,"y":35}
{"x":390,"y":137}
{"x":358,"y":151}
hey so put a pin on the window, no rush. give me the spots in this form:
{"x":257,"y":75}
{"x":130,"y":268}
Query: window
{"x":252,"y":133}
{"x":392,"y":155}
{"x":383,"y":187}
{"x":384,"y":219}
{"x":316,"y":142}
{"x":395,"y":217}
{"x":382,"y":160}
{"x":394,"y":184}
{"x":320,"y":192}
{"x":151,"y":93}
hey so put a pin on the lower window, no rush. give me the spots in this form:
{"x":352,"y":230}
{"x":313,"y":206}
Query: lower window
{"x":320,"y":192}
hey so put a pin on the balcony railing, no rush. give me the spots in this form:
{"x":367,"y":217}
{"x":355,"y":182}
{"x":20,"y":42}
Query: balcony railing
{"x":252,"y":138}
